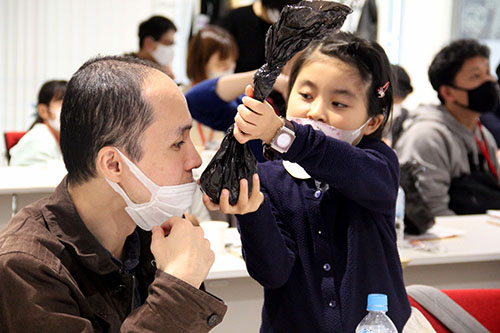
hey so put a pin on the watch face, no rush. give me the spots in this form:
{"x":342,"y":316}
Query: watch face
{"x":283,"y":140}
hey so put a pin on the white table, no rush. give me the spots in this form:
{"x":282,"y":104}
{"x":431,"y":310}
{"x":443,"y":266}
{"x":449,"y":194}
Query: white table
{"x":468,"y":261}
{"x":26,"y":184}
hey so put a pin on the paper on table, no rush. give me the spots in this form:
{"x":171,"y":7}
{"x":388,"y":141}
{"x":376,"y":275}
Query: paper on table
{"x":493,"y":216}
{"x":436,"y":232}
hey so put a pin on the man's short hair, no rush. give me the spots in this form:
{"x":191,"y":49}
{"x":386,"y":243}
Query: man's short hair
{"x":448,"y":62}
{"x":104,"y":106}
{"x":155,"y":27}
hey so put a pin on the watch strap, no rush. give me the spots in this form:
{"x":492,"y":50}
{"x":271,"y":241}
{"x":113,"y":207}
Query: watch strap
{"x":268,"y":151}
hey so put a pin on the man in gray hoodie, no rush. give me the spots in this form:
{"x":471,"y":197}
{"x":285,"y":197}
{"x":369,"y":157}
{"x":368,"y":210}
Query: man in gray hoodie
{"x":448,"y":139}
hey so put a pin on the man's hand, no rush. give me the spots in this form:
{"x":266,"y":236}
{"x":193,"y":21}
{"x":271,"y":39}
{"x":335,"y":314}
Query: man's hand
{"x":185,"y":253}
{"x":245,"y":203}
{"x":255,"y":120}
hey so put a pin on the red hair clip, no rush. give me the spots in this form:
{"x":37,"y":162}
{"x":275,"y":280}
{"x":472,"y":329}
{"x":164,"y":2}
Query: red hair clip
{"x":381,"y":90}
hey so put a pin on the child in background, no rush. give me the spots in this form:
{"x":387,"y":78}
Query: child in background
{"x":402,"y":88}
{"x":320,"y":237}
{"x":40,"y":145}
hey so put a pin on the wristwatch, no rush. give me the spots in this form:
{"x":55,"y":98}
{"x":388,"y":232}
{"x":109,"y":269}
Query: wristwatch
{"x":281,"y":142}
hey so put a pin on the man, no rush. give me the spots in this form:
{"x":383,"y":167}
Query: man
{"x":448,"y":140}
{"x":156,"y":42}
{"x":75,"y":261}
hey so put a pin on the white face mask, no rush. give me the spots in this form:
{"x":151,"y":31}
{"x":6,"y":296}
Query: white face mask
{"x":55,"y":123}
{"x":165,"y":202}
{"x":273,"y":14}
{"x":348,"y":136}
{"x":164,"y":54}
{"x":213,"y":75}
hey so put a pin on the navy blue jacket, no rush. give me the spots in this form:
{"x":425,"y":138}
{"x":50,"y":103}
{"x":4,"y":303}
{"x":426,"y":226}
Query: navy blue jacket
{"x":209,"y":109}
{"x":319,"y":253}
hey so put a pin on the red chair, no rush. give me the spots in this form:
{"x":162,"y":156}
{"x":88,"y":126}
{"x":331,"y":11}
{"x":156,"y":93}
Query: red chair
{"x":11,"y":138}
{"x":482,"y":304}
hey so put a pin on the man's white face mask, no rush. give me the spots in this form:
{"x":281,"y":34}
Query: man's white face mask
{"x":163,"y":54}
{"x":165,"y":202}
{"x":348,"y":136}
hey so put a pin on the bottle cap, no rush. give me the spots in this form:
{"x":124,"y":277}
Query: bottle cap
{"x":377,"y":302}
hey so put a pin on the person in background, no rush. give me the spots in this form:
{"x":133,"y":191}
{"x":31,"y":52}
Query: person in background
{"x":249,"y":25}
{"x":320,"y":237}
{"x":40,"y":145}
{"x":402,"y":88}
{"x":491,"y":120}
{"x":93,"y":256}
{"x":156,"y":42}
{"x":448,"y":140}
{"x":212,"y":53}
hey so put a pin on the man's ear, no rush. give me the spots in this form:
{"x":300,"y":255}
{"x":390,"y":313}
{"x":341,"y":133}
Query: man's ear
{"x":373,"y":124}
{"x":445,"y":92}
{"x":43,"y":111}
{"x":109,"y":164}
{"x":149,"y":43}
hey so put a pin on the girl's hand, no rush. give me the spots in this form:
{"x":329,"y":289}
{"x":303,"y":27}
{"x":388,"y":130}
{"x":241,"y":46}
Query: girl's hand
{"x":255,"y":120}
{"x":245,"y":203}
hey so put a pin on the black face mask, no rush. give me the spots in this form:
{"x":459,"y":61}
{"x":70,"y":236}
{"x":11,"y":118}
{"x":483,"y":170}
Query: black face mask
{"x":482,"y":99}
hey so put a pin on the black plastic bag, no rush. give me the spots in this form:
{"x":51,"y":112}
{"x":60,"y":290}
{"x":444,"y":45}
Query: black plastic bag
{"x":232,"y":162}
{"x":297,"y":26}
{"x":418,"y":216}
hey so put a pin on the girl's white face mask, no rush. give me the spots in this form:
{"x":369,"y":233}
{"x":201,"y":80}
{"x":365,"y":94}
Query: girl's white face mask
{"x":55,"y":123}
{"x":348,"y":136}
{"x":163,"y":54}
{"x":165,"y":202}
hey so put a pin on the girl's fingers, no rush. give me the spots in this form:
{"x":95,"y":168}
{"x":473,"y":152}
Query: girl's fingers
{"x":239,"y":136}
{"x":256,"y":196}
{"x":209,"y":203}
{"x":242,"y":129}
{"x":249,"y":91}
{"x":247,"y":115}
{"x":243,"y":196}
{"x":256,"y":107}
{"x":224,"y":205}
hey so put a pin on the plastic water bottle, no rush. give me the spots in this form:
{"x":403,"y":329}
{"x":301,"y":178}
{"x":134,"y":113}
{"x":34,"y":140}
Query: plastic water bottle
{"x":400,"y":215}
{"x":376,"y":321}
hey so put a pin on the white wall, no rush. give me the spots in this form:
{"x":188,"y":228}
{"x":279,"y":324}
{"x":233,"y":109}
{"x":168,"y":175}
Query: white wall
{"x":42,"y":40}
{"x":412,"y":32}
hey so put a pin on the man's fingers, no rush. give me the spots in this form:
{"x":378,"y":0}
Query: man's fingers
{"x":157,"y":233}
{"x":191,"y":218}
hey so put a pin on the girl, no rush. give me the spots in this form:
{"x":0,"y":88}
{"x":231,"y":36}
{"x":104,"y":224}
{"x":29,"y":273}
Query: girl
{"x":40,"y":145}
{"x":323,"y":238}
